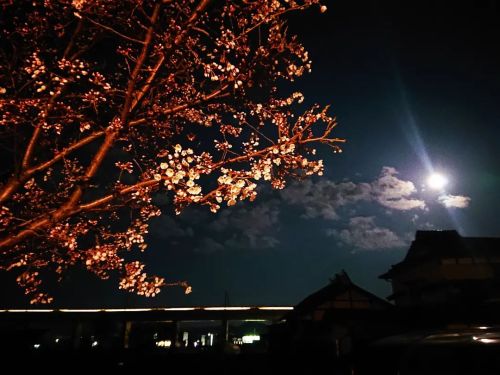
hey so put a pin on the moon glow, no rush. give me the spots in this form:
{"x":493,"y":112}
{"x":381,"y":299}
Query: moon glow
{"x":437,"y":181}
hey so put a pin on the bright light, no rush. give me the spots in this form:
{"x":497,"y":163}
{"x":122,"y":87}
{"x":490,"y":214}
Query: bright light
{"x":275,"y":308}
{"x":249,"y":339}
{"x":437,"y":181}
{"x":36,"y":346}
{"x":26,"y":311}
{"x":164,"y":344}
{"x":180,"y":308}
{"x":208,"y":308}
{"x":95,"y":343}
{"x":485,"y":341}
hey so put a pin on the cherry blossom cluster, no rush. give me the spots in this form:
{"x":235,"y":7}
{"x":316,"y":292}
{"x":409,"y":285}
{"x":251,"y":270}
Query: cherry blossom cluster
{"x":30,"y":281}
{"x":135,"y":280}
{"x":107,"y":103}
{"x":180,"y":173}
{"x":103,"y":258}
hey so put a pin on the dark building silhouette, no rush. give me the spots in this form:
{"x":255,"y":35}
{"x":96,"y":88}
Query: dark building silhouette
{"x":339,"y":295}
{"x":447,"y":312}
{"x":444,"y":268}
{"x":445,"y":320}
{"x":334,"y":320}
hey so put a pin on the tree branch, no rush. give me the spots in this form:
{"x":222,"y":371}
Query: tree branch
{"x":147,"y":85}
{"x":138,"y":66}
{"x":203,"y":99}
{"x":36,"y":134}
{"x":73,"y":38}
{"x":15,"y":181}
{"x":109,"y":198}
{"x":65,"y":152}
{"x":219,"y":93}
{"x":110,"y":29}
{"x":67,"y":210}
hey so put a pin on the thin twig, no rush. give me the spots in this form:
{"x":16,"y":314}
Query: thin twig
{"x":114,"y":31}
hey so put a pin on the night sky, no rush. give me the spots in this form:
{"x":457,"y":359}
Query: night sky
{"x":416,"y":88}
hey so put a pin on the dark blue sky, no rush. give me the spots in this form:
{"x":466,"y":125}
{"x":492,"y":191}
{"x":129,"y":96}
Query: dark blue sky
{"x":415,"y":86}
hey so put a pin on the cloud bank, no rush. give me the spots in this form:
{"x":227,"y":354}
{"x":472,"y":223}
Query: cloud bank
{"x":455,"y":201}
{"x":392,"y":192}
{"x":352,"y":206}
{"x":323,"y":198}
{"x":362,"y":233}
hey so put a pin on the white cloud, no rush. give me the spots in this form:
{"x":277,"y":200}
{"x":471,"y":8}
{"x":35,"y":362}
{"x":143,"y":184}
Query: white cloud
{"x":392,"y":192}
{"x":255,"y":226}
{"x":362,"y":233}
{"x":323,"y":198}
{"x":456,"y":201}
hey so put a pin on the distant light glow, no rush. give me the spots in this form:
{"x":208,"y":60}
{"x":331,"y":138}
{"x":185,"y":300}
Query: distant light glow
{"x":249,"y":339}
{"x":437,"y":181}
{"x":126,"y":310}
{"x":95,"y":343}
{"x":164,"y":344}
{"x":180,"y":308}
{"x":228,"y":308}
{"x":255,"y":320}
{"x":486,"y":341}
{"x":26,"y":311}
{"x":36,"y":346}
{"x":158,"y":309}
{"x":275,"y":308}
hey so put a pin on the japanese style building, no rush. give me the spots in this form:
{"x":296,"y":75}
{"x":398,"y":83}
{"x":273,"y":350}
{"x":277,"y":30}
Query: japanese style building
{"x":334,"y":320}
{"x":340,"y":294}
{"x":444,"y":268}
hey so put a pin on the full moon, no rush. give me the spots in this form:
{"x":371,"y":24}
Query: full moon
{"x":437,"y":181}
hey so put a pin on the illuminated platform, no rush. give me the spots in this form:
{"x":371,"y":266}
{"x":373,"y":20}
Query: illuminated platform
{"x":156,"y":313}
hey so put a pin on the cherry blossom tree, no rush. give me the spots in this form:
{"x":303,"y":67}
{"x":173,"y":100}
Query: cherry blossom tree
{"x":105,"y":104}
